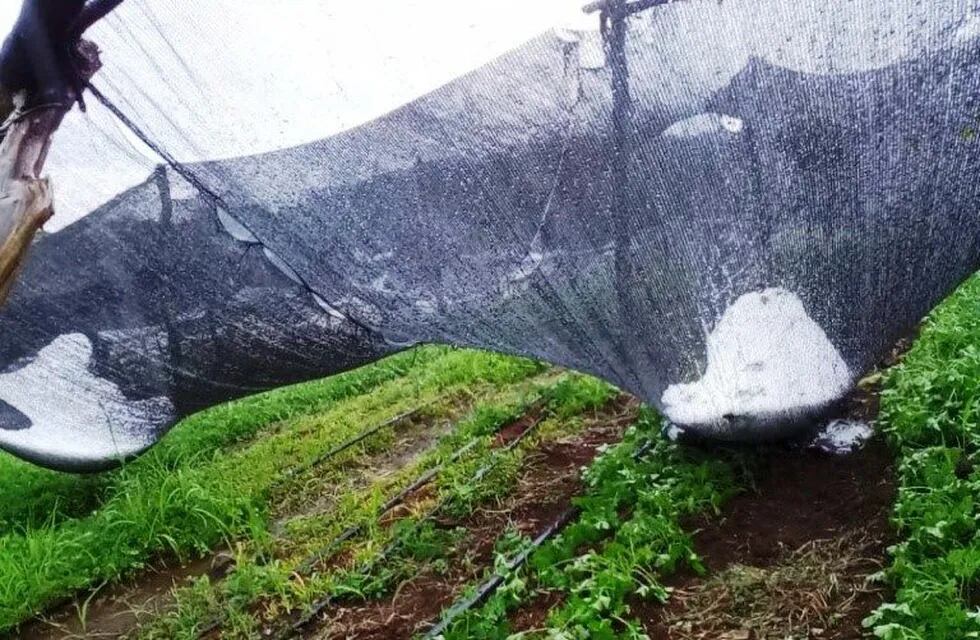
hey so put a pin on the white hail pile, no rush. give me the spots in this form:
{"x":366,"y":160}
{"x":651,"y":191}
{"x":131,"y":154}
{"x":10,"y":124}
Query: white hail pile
{"x":765,"y":357}
{"x":843,"y":436}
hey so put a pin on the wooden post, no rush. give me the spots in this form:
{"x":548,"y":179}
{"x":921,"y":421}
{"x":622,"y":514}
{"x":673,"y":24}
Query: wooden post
{"x":26,"y":199}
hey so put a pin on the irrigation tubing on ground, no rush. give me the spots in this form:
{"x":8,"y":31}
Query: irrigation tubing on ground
{"x":325,"y":551}
{"x":328,"y":549}
{"x":306,"y":566}
{"x":493,"y":583}
{"x":488,"y":587}
{"x":319,"y":606}
{"x":344,"y":446}
{"x":335,"y":451}
{"x":643,"y":449}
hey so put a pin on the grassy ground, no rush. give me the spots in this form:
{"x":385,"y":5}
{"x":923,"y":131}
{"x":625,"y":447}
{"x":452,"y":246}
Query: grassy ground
{"x":263,"y":589}
{"x":930,"y":408}
{"x":211,"y":478}
{"x":34,"y":496}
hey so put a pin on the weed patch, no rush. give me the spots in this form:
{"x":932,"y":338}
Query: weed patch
{"x":372,"y":562}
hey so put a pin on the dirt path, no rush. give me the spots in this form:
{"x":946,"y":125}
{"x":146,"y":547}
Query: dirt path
{"x":111,"y":612}
{"x":549,"y":479}
{"x":788,"y":559}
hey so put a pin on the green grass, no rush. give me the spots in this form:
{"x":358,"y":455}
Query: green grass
{"x":209,"y":480}
{"x":930,"y":407}
{"x":34,"y":496}
{"x":262,"y":587}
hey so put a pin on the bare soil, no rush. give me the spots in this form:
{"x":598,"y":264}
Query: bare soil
{"x":801,"y":499}
{"x":117,"y":609}
{"x":803,"y":502}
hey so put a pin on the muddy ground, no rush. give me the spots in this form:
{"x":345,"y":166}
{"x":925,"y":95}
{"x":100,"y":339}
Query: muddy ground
{"x":801,"y":499}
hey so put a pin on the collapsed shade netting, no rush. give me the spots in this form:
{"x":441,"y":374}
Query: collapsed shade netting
{"x":775,"y":192}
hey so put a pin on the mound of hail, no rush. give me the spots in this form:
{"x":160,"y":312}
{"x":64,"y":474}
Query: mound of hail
{"x":765,"y":358}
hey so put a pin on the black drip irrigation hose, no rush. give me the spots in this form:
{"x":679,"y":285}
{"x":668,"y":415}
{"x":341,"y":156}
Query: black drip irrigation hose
{"x":306,"y":566}
{"x":335,"y":451}
{"x":319,"y":606}
{"x":331,"y":547}
{"x":487,"y":589}
{"x":344,"y":446}
{"x":644,"y":449}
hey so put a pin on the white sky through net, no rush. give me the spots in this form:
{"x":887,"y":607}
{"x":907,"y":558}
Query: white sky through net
{"x":322,"y":67}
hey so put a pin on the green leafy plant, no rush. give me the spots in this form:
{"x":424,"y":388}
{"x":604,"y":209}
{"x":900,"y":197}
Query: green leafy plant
{"x":930,"y":410}
{"x":626,"y":538}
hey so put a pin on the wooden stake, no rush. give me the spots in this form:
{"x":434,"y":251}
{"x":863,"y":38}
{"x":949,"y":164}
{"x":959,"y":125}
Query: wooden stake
{"x":26,"y":199}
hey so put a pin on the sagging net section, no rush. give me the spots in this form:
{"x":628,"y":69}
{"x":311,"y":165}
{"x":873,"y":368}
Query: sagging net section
{"x":730,"y":209}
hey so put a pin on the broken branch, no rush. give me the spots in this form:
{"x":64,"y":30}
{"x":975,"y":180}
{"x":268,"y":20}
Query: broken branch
{"x":40,"y":84}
